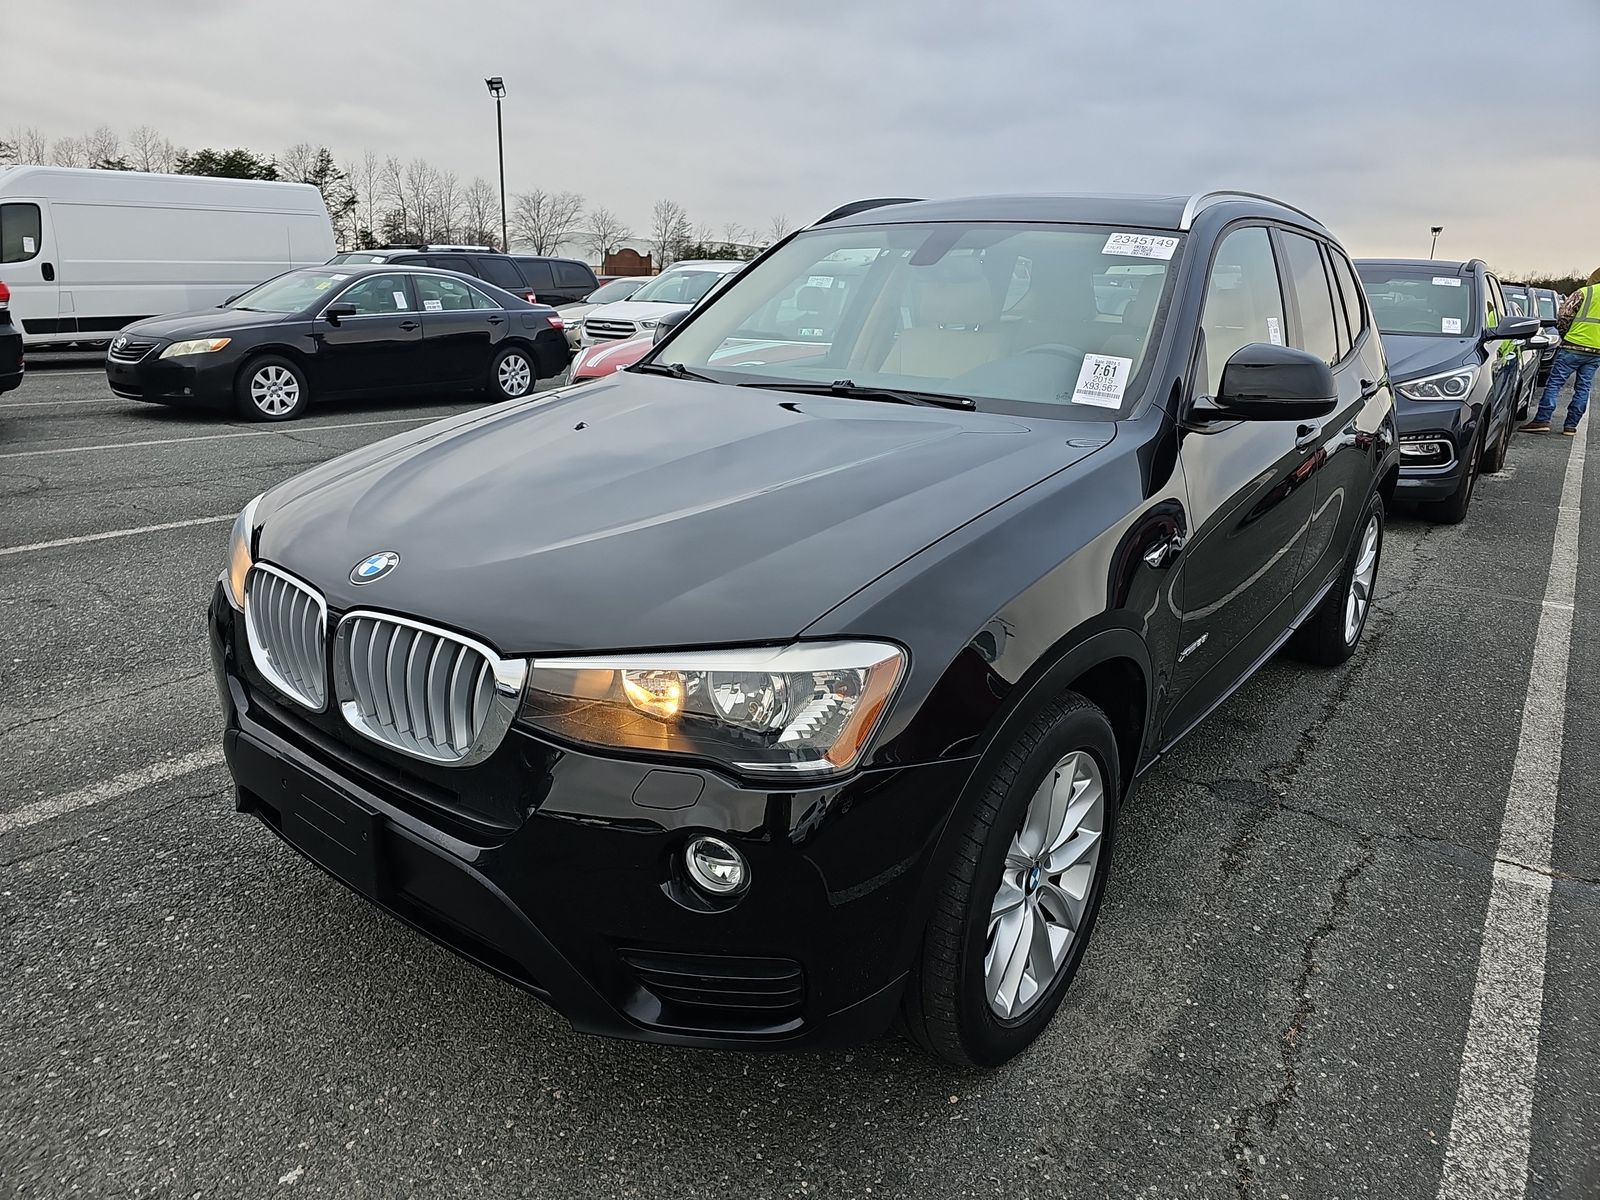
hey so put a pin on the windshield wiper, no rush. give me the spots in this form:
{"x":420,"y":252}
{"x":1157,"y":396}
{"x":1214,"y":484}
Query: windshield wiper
{"x":676,"y":370}
{"x":853,"y":391}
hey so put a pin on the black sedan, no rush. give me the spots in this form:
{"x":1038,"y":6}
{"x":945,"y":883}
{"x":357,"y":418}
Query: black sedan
{"x":340,"y":330}
{"x":10,"y":345}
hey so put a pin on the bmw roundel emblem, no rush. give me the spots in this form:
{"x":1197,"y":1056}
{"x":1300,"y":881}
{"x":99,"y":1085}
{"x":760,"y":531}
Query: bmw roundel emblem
{"x":374,"y":567}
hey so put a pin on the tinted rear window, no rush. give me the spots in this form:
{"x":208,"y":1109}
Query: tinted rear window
{"x":502,"y":272}
{"x":574,"y":275}
{"x":538,"y":273}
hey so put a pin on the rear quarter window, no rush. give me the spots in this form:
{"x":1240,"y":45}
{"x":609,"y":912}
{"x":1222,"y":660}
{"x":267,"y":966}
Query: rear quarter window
{"x":574,"y":275}
{"x":501,"y":272}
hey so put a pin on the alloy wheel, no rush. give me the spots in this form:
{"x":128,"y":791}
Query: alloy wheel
{"x":515,"y":375}
{"x":1043,"y":898}
{"x":274,"y":390}
{"x":1361,"y":580}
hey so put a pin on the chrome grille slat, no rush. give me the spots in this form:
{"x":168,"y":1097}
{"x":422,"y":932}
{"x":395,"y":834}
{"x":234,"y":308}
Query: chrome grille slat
{"x":424,"y":691}
{"x":286,"y":626}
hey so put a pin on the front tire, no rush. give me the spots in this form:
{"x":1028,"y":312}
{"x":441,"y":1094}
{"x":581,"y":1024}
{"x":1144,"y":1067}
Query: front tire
{"x":1452,"y":510}
{"x":1331,"y":634}
{"x":1494,"y":461}
{"x":1018,"y":905}
{"x":512,"y":375}
{"x":271,"y":388}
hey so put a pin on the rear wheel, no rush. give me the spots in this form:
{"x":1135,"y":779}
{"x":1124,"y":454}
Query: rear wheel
{"x":511,"y":376}
{"x":271,"y":388}
{"x":1331,"y":633}
{"x":1011,"y":922}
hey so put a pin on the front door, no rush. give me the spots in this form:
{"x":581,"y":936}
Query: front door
{"x":378,"y":349}
{"x":29,"y":267}
{"x":1251,"y":488}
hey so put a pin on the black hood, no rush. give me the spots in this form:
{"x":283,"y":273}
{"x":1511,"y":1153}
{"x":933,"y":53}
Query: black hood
{"x":204,"y":322}
{"x":1412,"y":356}
{"x":642,"y":511}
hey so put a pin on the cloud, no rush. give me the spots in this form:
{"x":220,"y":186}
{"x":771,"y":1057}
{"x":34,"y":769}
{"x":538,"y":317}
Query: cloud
{"x":1382,"y":117}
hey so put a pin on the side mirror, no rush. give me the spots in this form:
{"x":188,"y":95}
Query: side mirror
{"x":1514,"y":328}
{"x":1263,"y":382}
{"x":668,"y":323}
{"x":1540,"y":341}
{"x":334,"y":311}
{"x":1549,"y":323}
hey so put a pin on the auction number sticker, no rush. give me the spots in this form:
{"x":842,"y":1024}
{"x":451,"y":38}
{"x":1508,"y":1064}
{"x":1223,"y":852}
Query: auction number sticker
{"x":29,"y":246}
{"x":1140,"y":245}
{"x":1275,"y":331}
{"x":433,"y":305}
{"x":1101,"y":380}
{"x":399,"y":299}
{"x":1442,"y":281}
{"x":1450,"y":324}
{"x":821,"y":281}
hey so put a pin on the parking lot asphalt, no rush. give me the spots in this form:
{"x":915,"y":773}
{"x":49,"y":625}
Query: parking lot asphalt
{"x":1291,"y":991}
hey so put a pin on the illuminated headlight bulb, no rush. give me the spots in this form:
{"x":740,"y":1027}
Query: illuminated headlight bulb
{"x":656,"y":693}
{"x":715,"y":866}
{"x":756,"y":701}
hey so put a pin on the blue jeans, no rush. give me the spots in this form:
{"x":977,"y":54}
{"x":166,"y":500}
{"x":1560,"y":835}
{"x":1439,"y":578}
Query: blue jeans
{"x":1566,"y":364}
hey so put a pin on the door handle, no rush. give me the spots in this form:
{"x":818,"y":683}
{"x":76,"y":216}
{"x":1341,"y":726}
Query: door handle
{"x":408,"y":326}
{"x":48,"y":270}
{"x":496,"y":320}
{"x":1163,"y":552}
{"x":1307,"y":435}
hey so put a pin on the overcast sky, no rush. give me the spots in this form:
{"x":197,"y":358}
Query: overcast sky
{"x":1382,"y":117}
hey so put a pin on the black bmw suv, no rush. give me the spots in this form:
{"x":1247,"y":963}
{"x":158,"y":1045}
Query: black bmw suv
{"x":1455,"y":356}
{"x":796,"y":676}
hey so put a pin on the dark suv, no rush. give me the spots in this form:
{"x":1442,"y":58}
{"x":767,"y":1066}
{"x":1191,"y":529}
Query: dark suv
{"x":827,"y":642}
{"x":11,"y":357}
{"x":535,"y":278}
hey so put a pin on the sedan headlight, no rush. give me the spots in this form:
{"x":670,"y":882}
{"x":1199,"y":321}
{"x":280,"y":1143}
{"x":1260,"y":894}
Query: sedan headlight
{"x":809,"y":708}
{"x":649,"y":322}
{"x":1451,"y":385}
{"x":239,"y":558}
{"x":196,"y":346}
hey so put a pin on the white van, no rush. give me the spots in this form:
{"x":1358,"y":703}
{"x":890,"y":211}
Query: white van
{"x":86,"y":252}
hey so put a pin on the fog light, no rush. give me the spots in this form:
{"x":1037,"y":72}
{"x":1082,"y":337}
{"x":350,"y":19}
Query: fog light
{"x":716,"y":866}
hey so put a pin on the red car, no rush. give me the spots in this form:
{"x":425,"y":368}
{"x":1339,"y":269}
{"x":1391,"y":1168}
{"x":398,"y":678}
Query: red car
{"x":602,"y":358}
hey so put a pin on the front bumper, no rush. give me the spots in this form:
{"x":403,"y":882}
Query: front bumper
{"x":1451,"y":422}
{"x":192,"y":380}
{"x":561,"y":871}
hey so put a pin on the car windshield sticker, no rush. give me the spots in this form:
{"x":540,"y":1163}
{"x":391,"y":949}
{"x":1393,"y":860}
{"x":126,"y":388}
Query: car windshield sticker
{"x":1450,"y":324}
{"x":1101,"y":380}
{"x":1275,"y":331}
{"x":324,"y":284}
{"x":28,"y":244}
{"x":1441,"y":281}
{"x":1139,"y":245}
{"x":821,"y":281}
{"x":432,"y":305}
{"x":339,"y":277}
{"x":399,"y":299}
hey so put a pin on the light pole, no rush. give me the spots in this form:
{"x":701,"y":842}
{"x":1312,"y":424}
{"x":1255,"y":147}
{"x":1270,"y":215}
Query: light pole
{"x":1436,"y":230}
{"x":497,"y":89}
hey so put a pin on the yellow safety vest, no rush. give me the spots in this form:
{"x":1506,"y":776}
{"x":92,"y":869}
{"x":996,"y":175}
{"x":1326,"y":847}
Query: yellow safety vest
{"x":1585,"y":329}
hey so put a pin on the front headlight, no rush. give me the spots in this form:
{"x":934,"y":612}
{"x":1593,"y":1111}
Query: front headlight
{"x":1451,"y":385}
{"x":239,"y":559}
{"x":809,"y":708}
{"x":196,"y":346}
{"x":649,"y":322}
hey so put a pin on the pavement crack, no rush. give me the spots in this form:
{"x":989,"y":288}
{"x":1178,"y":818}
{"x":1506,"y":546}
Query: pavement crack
{"x":1262,"y":1119}
{"x":101,"y":702}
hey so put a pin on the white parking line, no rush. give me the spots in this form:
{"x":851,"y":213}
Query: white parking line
{"x":114,"y":533}
{"x":1490,"y":1130}
{"x":109,"y":789}
{"x":294,"y":427}
{"x":106,"y":399}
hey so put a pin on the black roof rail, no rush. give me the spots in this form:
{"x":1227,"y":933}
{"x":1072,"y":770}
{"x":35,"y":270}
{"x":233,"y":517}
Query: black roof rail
{"x":856,"y":206}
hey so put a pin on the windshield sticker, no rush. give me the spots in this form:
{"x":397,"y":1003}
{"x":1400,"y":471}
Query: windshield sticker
{"x":324,"y":284}
{"x":821,"y":281}
{"x":28,"y":244}
{"x":1450,"y":324}
{"x":1139,"y":245}
{"x":1275,"y":331}
{"x":1101,"y":380}
{"x":1441,"y":281}
{"x":399,"y":299}
{"x":433,"y":305}
{"x":339,"y":277}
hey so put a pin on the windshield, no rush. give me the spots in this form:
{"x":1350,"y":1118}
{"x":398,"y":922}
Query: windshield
{"x":679,"y":287}
{"x":1031,"y":315}
{"x":289,"y":293}
{"x":617,"y":289}
{"x":1517,"y":301}
{"x":1547,"y":305}
{"x":1415,"y":300}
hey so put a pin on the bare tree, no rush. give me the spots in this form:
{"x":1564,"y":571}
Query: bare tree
{"x":399,"y":222}
{"x":366,"y":184}
{"x":444,"y":205}
{"x":298,"y":162}
{"x":149,"y":151}
{"x":606,"y":232}
{"x":735,"y":234}
{"x":543,"y":220}
{"x":777,"y":228}
{"x":669,"y":230}
{"x":104,"y":148}
{"x":69,"y":152}
{"x":27,"y":146}
{"x":480,"y":213}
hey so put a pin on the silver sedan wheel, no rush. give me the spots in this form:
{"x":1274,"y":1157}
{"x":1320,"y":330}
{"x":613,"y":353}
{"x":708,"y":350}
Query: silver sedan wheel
{"x":274,"y":390}
{"x":1360,"y":597}
{"x":515,"y":375}
{"x":1043,"y":899}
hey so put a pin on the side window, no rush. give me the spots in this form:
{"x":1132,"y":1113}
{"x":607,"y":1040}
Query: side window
{"x":1243,"y":304}
{"x":539,"y":275}
{"x":574,"y":277}
{"x":1494,"y":302}
{"x":1318,"y":329}
{"x":1341,"y":324}
{"x":19,"y":232}
{"x":502,"y":272}
{"x":1355,"y":313}
{"x":440,"y":293}
{"x":377,"y":295}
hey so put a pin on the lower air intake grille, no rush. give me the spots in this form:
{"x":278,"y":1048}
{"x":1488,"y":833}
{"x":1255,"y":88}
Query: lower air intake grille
{"x":716,"y":990}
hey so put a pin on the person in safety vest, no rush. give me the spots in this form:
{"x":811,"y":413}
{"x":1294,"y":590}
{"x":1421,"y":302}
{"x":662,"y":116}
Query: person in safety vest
{"x":1579,"y":355}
